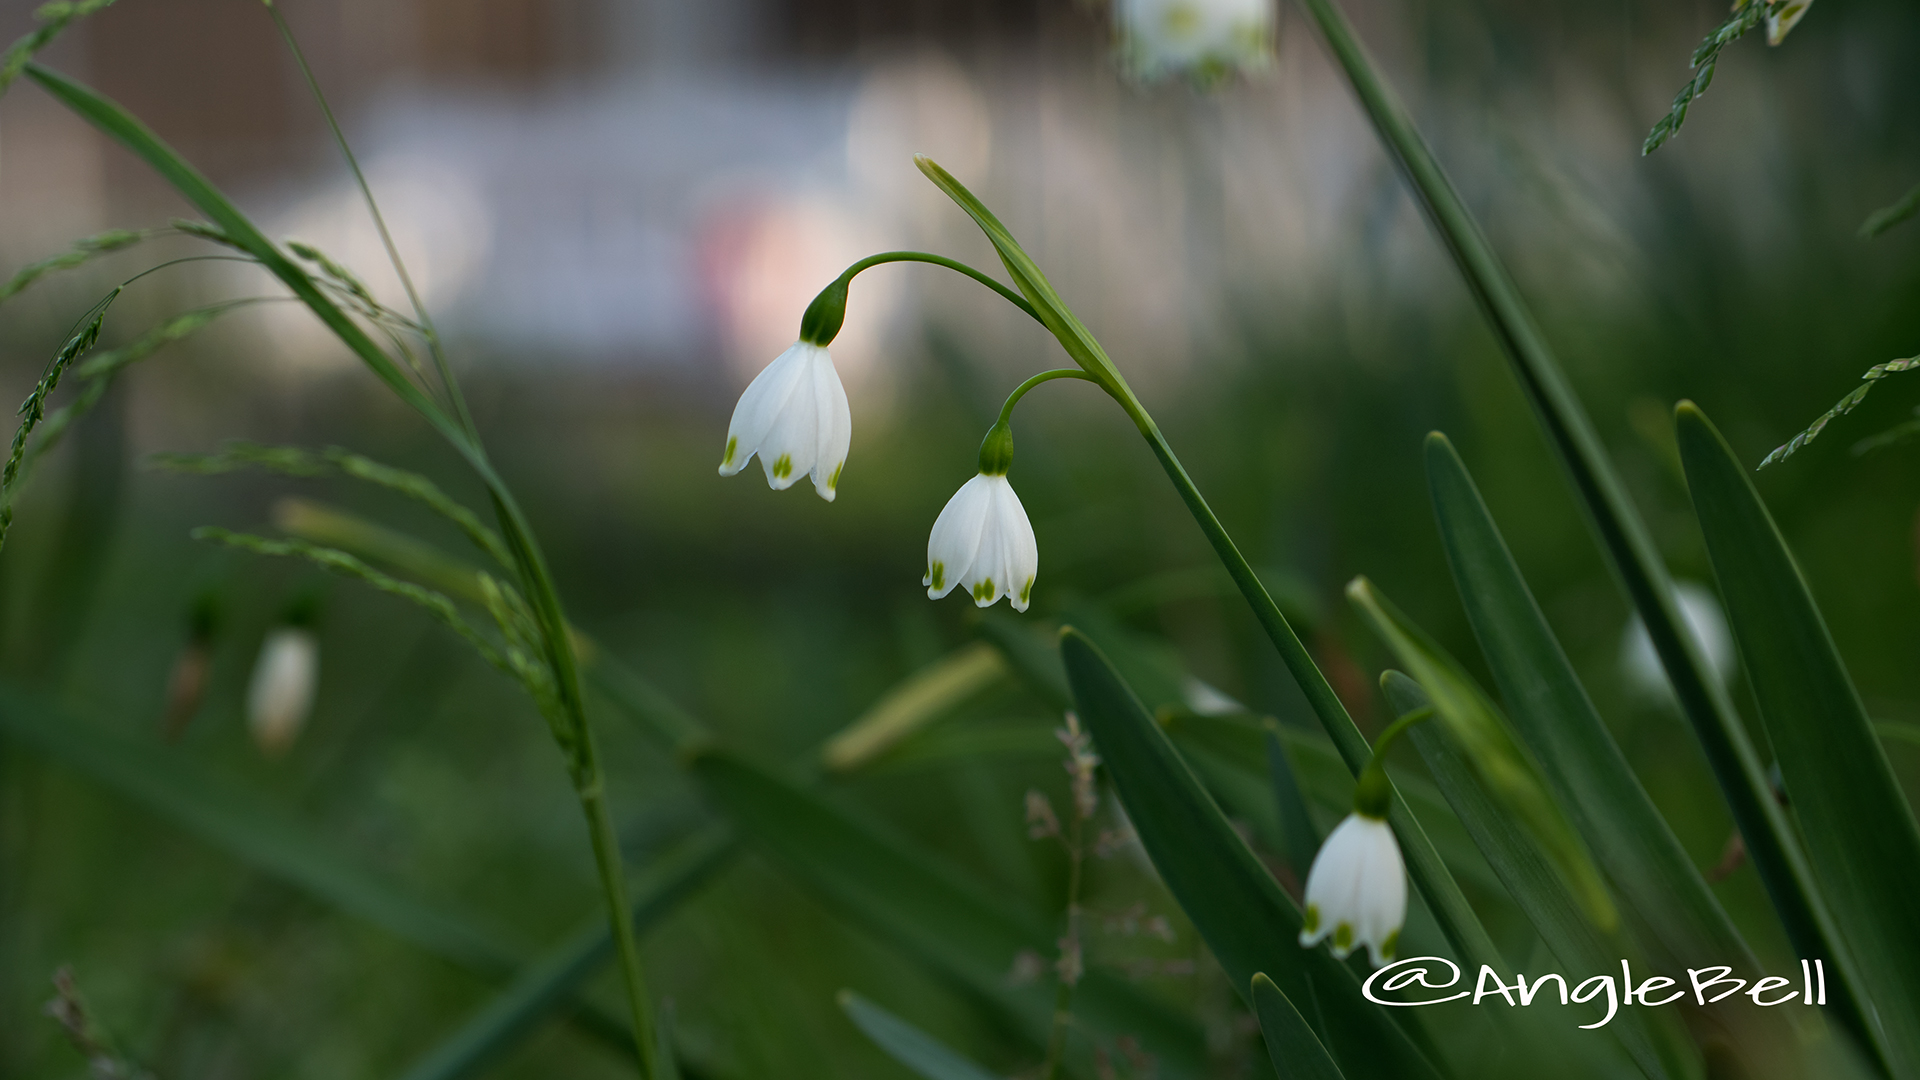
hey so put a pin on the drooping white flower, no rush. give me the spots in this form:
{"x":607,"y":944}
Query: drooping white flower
{"x":1357,"y":890}
{"x":280,"y":696}
{"x":1205,"y":39}
{"x":1702,"y":615}
{"x":794,"y":415}
{"x":983,"y":540}
{"x":1782,"y":21}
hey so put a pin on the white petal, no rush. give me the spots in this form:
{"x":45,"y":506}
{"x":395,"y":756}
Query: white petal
{"x":835,"y":430}
{"x":1008,"y":556}
{"x":955,"y":539}
{"x":1357,"y":880}
{"x":761,"y":404}
{"x":280,"y":695}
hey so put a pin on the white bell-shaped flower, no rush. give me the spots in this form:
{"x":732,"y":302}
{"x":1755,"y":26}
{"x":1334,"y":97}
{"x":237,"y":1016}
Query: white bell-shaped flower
{"x":280,"y":697}
{"x":1357,"y":890}
{"x":1701,"y":613}
{"x":794,"y":415}
{"x":983,"y":540}
{"x":1204,"y":39}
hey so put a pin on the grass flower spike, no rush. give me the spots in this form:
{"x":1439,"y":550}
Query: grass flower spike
{"x":280,"y":697}
{"x":982,"y":539}
{"x":794,"y":415}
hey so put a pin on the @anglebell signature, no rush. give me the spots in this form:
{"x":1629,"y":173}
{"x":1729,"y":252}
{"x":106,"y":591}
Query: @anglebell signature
{"x":1706,"y":985}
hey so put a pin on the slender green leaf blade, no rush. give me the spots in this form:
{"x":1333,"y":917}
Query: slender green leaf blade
{"x":215,"y":810}
{"x":1552,"y":714}
{"x":1291,"y":1043}
{"x":932,"y":911}
{"x":1499,"y":762}
{"x":927,"y":1056}
{"x":190,"y":183}
{"x":547,"y":985}
{"x":1652,"y":1037}
{"x":1247,"y":920}
{"x":1860,"y":833}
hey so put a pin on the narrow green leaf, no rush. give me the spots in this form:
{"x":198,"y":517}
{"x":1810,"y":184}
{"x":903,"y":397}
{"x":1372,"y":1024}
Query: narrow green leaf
{"x":116,"y":122}
{"x":1860,"y":833}
{"x":912,"y":704}
{"x":1299,"y":838}
{"x":927,"y":1056}
{"x":1654,"y":1038}
{"x":1242,"y":913}
{"x":1481,"y":733}
{"x":1583,"y":766}
{"x":1291,"y":1043}
{"x":1900,"y":210}
{"x":547,"y":985}
{"x":930,"y":910}
{"x":179,"y":788}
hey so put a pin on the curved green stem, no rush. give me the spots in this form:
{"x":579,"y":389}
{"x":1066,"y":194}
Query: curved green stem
{"x":1006,"y":411}
{"x":1007,"y":294}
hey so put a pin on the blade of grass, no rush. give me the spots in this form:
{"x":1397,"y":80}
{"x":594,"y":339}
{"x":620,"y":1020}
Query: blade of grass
{"x":1294,"y":1048}
{"x":179,"y":788}
{"x":1510,"y":777}
{"x":1610,"y":514}
{"x":1654,"y":1038}
{"x":926,"y":1056}
{"x":930,"y":910}
{"x":1550,"y":710}
{"x":912,"y":704}
{"x":1859,"y":831}
{"x":547,"y":984}
{"x":1246,"y":919}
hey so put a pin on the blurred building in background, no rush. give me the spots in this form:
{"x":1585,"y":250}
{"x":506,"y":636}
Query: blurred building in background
{"x":662,"y":186}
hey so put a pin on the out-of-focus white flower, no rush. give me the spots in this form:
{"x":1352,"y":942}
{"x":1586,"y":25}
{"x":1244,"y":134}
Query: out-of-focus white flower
{"x":280,"y":697}
{"x":1357,"y":890}
{"x":984,"y":541}
{"x":1206,"y":700}
{"x":1204,"y":39}
{"x":1703,"y":617}
{"x":1782,"y":21}
{"x":794,"y":415}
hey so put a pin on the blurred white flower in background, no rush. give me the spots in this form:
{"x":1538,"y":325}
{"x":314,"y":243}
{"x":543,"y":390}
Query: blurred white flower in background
{"x":280,"y":696}
{"x":983,"y":540}
{"x":795,"y":416}
{"x":1701,"y":612}
{"x":1357,"y":890}
{"x":1206,"y":40}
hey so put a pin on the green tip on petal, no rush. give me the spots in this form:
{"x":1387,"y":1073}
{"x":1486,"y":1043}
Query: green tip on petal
{"x":1343,"y":937}
{"x":733,"y":446}
{"x":1312,"y":923}
{"x":983,"y":590}
{"x":1390,"y":946}
{"x":833,"y":482}
{"x":783,"y":468}
{"x":1026,"y":591}
{"x":937,"y":575}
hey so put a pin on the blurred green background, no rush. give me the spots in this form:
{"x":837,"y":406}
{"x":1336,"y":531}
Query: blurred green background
{"x":621,"y":210}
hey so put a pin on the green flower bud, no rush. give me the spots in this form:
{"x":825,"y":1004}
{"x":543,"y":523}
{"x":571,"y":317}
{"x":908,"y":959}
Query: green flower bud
{"x":824,"y":317}
{"x":996,"y":451}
